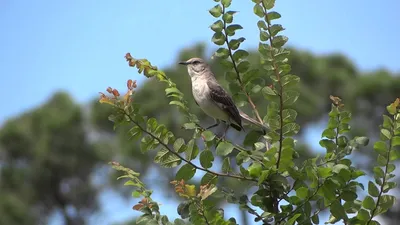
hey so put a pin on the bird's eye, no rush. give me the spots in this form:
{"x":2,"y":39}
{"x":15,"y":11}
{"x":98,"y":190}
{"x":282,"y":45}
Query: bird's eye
{"x":195,"y":62}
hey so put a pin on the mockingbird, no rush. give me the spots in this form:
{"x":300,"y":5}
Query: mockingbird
{"x":213,"y":99}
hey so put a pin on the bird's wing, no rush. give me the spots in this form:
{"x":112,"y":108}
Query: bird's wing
{"x":224,"y":101}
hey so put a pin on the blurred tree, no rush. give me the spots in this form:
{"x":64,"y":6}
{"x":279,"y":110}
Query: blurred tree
{"x":46,"y":165}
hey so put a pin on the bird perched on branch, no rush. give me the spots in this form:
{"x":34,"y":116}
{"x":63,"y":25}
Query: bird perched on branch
{"x":211,"y":97}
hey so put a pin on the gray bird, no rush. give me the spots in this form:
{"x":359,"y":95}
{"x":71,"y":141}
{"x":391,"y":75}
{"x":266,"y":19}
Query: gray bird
{"x":213,"y":99}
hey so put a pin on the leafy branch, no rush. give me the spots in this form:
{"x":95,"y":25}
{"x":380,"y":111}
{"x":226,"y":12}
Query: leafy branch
{"x":238,"y":62}
{"x":182,"y":158}
{"x":389,"y":139}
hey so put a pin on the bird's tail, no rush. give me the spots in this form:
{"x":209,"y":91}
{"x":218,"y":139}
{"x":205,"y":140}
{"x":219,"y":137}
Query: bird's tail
{"x":246,"y":118}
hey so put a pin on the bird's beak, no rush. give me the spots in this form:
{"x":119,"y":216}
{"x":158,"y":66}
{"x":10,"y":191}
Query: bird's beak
{"x":184,"y":63}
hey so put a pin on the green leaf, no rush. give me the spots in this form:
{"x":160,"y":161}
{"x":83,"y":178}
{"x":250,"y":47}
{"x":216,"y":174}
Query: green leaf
{"x":171,"y":90}
{"x":385,"y":134}
{"x":268,"y":91}
{"x":275,"y":29}
{"x":218,"y":38}
{"x":333,"y":123}
{"x":206,"y":159}
{"x":226,"y":165}
{"x":243,"y":66}
{"x":386,"y":202}
{"x":315,"y":219}
{"x":146,"y":143}
{"x":216,"y":11}
{"x":337,"y":210}
{"x":240,"y":55}
{"x":328,"y":188}
{"x":394,"y":154}
{"x":264,"y":36}
{"x":363,"y":214}
{"x":136,"y":194}
{"x":293,"y":219}
{"x":395,"y":141}
{"x":389,"y":186}
{"x":268,"y":4}
{"x":279,"y":41}
{"x":179,"y":145}
{"x":224,"y":148}
{"x":380,"y":147}
{"x":189,"y":126}
{"x":290,"y":97}
{"x":183,"y":209}
{"x":222,"y":53}
{"x":167,"y":159}
{"x":362,"y":140}
{"x":273,"y":15}
{"x":258,"y":10}
{"x":228,"y":18}
{"x":186,"y":172}
{"x":152,"y":124}
{"x":324,"y":172}
{"x":387,"y":122}
{"x":242,"y":157}
{"x":208,"y":135}
{"x":302,"y":192}
{"x":135,"y":132}
{"x":338,"y":167}
{"x":372,"y":189}
{"x":348,"y":195}
{"x":382,"y":160}
{"x":289,"y":115}
{"x":368,"y":203}
{"x":290,"y":80}
{"x":235,"y":43}
{"x":262,"y":25}
{"x":179,"y":222}
{"x":192,"y":150}
{"x":378,"y":172}
{"x":208,"y":178}
{"x":329,"y":133}
{"x":290,"y":129}
{"x":226,"y":3}
{"x":259,"y":146}
{"x":217,"y":26}
{"x":255,"y":169}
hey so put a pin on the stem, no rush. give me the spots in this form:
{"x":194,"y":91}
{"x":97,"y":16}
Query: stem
{"x":201,"y":208}
{"x":276,"y":70}
{"x":182,"y":158}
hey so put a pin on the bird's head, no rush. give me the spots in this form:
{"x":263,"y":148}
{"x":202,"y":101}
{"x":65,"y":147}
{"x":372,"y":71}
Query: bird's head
{"x":195,"y":66}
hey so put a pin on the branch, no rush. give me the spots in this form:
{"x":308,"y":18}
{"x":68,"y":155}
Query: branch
{"x":182,"y":158}
{"x":238,"y":73}
{"x":383,"y":180}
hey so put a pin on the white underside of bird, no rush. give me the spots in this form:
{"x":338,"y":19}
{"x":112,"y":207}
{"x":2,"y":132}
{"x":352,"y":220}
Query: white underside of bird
{"x":201,"y":95}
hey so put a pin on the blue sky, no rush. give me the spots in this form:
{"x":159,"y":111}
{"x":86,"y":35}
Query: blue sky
{"x":79,"y":46}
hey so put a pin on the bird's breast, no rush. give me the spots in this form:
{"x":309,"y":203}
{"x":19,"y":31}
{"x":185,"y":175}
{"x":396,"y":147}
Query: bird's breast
{"x":201,"y":94}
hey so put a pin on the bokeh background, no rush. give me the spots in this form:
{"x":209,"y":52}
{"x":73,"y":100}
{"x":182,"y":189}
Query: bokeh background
{"x":55,"y":56}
